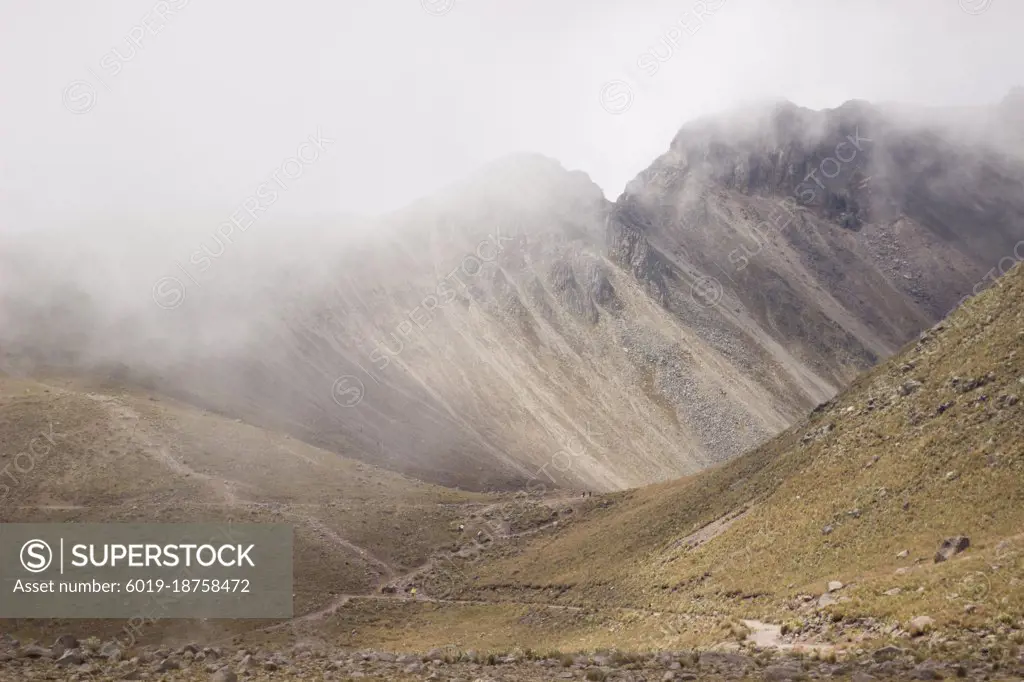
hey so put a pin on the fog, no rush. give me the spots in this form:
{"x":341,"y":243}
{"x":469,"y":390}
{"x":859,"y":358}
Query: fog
{"x":260,"y":207}
{"x":123,"y":110}
{"x":142,"y":140}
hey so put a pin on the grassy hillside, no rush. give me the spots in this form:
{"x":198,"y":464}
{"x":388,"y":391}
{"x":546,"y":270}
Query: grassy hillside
{"x":80,"y":452}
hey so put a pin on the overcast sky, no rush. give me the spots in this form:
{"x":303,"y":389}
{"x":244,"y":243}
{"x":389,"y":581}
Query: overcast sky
{"x":409,"y":96}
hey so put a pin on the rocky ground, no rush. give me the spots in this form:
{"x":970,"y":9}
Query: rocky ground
{"x":69,"y":659}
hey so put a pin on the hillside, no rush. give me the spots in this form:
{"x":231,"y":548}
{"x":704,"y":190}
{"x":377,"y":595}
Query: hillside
{"x":101,"y":453}
{"x":519,"y":317}
{"x":812,"y":555}
{"x":927,"y":446}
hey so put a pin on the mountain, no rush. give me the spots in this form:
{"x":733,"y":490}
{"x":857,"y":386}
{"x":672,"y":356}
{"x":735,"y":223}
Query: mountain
{"x":878,"y":536}
{"x":823,"y":540}
{"x":520,"y":330}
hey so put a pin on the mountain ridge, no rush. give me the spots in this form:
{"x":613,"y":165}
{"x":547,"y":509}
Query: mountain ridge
{"x":739,"y":281}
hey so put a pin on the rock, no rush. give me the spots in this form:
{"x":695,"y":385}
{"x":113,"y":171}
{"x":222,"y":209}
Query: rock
{"x":893,"y":592}
{"x":920,"y":625}
{"x":835,"y":586}
{"x":861,"y":676}
{"x":908,"y":387}
{"x":64,"y":643}
{"x":925,"y":671}
{"x":169,"y":663}
{"x":35,"y":651}
{"x":952,"y":475}
{"x":826,"y":600}
{"x":224,"y":675}
{"x":951,"y":547}
{"x":111,"y":652}
{"x":827,"y":530}
{"x":904,"y":554}
{"x":783,"y":672}
{"x":887,"y":653}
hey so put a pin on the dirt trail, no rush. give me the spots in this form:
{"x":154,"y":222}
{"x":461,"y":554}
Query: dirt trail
{"x":474,"y":514}
{"x":769,"y":636}
{"x":387,"y":571}
{"x":160,"y":452}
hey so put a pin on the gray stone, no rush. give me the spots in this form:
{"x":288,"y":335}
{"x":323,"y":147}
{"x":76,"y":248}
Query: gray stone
{"x":64,"y":643}
{"x":826,"y":600}
{"x":887,"y":653}
{"x":783,"y":672}
{"x":920,"y":625}
{"x":925,"y":671}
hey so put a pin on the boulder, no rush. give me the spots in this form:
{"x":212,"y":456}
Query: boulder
{"x":920,"y":625}
{"x":64,"y":643}
{"x":951,"y":547}
{"x":826,"y":600}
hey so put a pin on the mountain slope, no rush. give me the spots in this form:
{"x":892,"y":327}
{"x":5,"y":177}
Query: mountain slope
{"x":519,"y":330}
{"x":78,"y":451}
{"x":927,"y":446}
